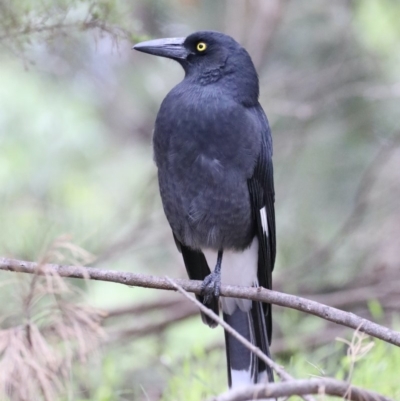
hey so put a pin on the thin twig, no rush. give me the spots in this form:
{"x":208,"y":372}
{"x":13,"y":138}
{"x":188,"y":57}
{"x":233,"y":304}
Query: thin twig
{"x":256,"y":294}
{"x":301,"y":387}
{"x":59,"y":26}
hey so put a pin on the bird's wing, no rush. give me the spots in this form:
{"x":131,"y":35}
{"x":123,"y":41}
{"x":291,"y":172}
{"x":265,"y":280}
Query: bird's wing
{"x":262,"y":195}
{"x":197,"y":269}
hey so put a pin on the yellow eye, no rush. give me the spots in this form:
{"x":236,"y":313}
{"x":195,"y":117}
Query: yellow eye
{"x":201,"y":46}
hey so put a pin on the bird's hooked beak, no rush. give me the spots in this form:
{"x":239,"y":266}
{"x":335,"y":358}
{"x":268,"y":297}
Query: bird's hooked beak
{"x":168,"y":47}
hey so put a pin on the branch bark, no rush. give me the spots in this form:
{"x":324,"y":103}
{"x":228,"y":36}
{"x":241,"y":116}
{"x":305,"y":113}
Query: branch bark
{"x":257,"y":294}
{"x":300,"y":387}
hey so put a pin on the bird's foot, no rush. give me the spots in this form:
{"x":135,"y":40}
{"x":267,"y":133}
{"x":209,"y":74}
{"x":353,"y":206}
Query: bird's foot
{"x":211,"y":286}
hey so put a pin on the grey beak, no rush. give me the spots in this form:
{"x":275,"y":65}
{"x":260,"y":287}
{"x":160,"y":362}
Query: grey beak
{"x":168,"y":47}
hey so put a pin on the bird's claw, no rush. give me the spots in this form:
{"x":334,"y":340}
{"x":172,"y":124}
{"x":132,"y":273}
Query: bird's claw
{"x":211,"y":287}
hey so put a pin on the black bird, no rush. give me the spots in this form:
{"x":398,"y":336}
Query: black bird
{"x":213,"y":150}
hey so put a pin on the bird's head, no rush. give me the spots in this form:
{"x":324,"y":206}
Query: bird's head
{"x":207,"y":56}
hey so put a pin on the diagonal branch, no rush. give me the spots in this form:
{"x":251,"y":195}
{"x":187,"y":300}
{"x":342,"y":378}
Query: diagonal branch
{"x":281,"y":373}
{"x":257,"y":294}
{"x":255,"y":350}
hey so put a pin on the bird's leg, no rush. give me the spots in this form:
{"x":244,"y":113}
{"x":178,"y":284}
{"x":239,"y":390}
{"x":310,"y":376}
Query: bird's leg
{"x":212,"y":283}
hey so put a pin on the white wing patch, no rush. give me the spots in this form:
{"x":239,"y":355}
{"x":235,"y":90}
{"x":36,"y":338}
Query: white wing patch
{"x":264,"y":221}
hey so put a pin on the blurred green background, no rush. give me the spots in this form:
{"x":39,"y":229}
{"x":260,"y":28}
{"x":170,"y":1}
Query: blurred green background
{"x":78,"y":184}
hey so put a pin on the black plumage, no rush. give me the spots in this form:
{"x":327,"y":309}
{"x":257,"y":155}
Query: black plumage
{"x":213,"y":151}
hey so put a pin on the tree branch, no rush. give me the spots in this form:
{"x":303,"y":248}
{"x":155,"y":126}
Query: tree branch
{"x":301,"y":387}
{"x":257,"y":294}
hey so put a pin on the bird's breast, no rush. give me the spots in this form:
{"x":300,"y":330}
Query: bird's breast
{"x":206,"y":204}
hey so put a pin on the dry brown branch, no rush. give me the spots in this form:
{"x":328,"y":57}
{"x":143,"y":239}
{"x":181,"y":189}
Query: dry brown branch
{"x":257,"y":294}
{"x":301,"y":387}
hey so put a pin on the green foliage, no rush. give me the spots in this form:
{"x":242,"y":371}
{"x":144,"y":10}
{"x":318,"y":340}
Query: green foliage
{"x":376,"y":310}
{"x":107,"y":382}
{"x":377,"y":21}
{"x":198,"y":376}
{"x":378,"y":371}
{"x":202,"y":376}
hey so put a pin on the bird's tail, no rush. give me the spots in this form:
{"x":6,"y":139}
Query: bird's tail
{"x":244,"y":367}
